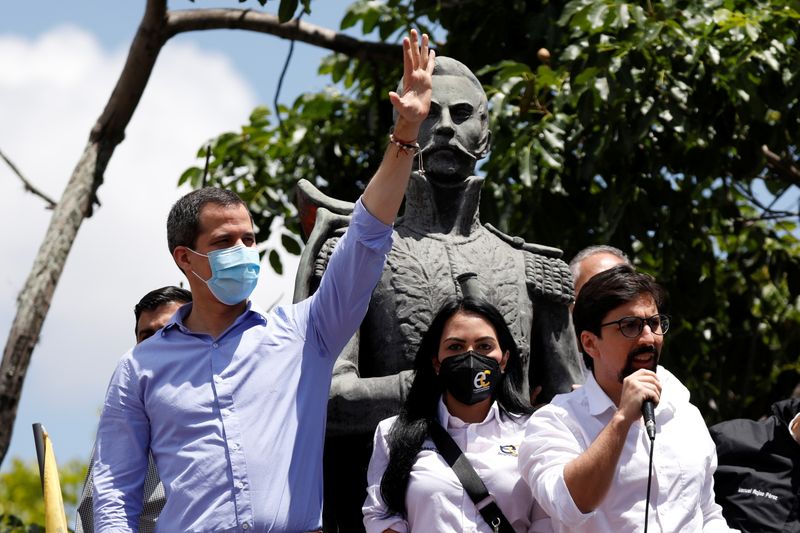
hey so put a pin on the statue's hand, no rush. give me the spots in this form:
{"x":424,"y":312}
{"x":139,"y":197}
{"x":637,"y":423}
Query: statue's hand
{"x":413,"y":105}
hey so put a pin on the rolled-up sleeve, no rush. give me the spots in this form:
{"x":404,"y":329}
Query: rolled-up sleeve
{"x":120,"y":462}
{"x":548,"y":446}
{"x":356,"y":264}
{"x":376,"y":515}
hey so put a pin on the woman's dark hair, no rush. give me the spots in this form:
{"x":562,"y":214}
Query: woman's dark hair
{"x":411,"y":428}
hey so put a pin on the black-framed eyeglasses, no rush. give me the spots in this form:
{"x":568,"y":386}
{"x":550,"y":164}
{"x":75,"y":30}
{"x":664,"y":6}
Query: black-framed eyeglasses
{"x":632,"y":326}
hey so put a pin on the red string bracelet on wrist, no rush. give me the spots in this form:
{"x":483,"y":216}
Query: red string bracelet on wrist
{"x":408,"y":146}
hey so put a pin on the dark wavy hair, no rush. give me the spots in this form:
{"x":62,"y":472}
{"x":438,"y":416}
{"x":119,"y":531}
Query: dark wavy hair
{"x":411,"y":428}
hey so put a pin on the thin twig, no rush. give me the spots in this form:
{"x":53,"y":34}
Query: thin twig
{"x":283,"y":75}
{"x":51,"y":204}
{"x":767,"y":210}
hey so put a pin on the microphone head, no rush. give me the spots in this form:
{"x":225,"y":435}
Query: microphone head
{"x":649,"y":415}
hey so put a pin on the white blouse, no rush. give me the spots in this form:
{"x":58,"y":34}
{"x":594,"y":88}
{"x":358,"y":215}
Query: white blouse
{"x":435,"y":499}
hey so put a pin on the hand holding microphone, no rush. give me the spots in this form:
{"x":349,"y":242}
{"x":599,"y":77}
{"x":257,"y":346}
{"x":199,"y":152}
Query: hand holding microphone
{"x":640,"y":394}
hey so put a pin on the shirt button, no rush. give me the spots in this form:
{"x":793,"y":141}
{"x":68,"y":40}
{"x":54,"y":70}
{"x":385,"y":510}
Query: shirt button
{"x":235,"y":445}
{"x":240,"y":484}
{"x":215,"y":345}
{"x":245,"y":525}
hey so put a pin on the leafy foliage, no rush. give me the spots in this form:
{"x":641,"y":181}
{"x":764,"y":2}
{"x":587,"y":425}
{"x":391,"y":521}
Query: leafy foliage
{"x":10,"y":523}
{"x":645,"y":126}
{"x":21,"y":501}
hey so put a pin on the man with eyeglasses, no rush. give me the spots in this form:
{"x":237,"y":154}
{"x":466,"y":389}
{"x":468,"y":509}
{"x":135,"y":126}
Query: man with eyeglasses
{"x":585,"y":455}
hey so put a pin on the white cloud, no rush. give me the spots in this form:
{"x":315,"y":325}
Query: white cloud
{"x":51,"y":92}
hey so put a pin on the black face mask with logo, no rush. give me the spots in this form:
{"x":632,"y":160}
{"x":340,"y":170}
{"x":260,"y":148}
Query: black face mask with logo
{"x":470,"y":377}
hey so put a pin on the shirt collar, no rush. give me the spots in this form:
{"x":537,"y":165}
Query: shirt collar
{"x":673,"y":392}
{"x":597,"y":399}
{"x":447,"y":420}
{"x":177,"y":320}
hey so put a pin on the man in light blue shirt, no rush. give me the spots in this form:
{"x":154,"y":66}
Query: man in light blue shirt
{"x":230,"y":400}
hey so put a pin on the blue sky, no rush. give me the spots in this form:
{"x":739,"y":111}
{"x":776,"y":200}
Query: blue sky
{"x":58,"y":64}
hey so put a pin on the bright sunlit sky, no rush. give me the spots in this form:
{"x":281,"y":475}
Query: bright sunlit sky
{"x":58,"y":64}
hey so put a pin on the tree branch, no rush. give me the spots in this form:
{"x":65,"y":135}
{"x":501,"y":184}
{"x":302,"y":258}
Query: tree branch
{"x":150,"y":37}
{"x":767,"y":211}
{"x":28,"y":185}
{"x":180,"y":21}
{"x":785,"y":168}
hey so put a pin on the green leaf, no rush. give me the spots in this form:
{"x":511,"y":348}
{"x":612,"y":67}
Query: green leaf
{"x":525,"y":174}
{"x":623,"y":16}
{"x":287,"y":10}
{"x":752,"y":31}
{"x":586,"y":76}
{"x":290,"y":244}
{"x":275,"y":262}
{"x":597,"y":15}
{"x":370,"y":20}
{"x":191,"y":175}
{"x":350,"y":19}
{"x":601,"y":86}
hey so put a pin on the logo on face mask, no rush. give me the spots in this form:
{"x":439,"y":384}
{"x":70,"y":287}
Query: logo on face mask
{"x":470,"y":377}
{"x":480,"y":382}
{"x":234,"y":273}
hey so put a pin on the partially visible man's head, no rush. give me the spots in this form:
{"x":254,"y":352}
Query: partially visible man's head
{"x":156,"y":308}
{"x":455,"y":135}
{"x":620,"y":290}
{"x":592,"y":260}
{"x":183,"y":222}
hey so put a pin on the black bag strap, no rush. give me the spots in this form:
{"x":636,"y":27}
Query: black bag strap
{"x":469,"y":479}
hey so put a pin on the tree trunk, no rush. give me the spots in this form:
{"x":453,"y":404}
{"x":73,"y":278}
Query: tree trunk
{"x":76,"y":203}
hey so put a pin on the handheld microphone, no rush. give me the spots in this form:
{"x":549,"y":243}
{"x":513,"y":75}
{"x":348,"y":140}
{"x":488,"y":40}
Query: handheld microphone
{"x":648,"y":412}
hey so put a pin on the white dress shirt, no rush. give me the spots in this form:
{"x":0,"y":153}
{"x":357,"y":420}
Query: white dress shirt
{"x":684,"y":460}
{"x":435,"y":499}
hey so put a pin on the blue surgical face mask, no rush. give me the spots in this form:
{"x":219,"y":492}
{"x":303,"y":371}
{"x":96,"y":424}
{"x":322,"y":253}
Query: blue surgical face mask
{"x":234,"y":273}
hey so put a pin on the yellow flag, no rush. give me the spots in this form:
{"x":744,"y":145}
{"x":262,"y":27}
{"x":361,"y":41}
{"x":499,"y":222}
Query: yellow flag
{"x":55,"y":520}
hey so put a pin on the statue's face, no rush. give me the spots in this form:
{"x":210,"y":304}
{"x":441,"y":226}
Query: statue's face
{"x":453,"y":137}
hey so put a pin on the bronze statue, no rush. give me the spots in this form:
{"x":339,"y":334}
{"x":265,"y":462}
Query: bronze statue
{"x":438,"y":238}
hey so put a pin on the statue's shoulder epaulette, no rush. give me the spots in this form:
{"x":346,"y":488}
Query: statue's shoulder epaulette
{"x":546,"y":274}
{"x":324,"y":254}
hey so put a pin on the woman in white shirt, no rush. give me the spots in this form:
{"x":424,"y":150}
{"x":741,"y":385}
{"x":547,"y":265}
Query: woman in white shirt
{"x":468,"y":379}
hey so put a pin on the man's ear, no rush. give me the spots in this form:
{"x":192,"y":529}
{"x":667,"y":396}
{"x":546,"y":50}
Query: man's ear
{"x":485,"y":145}
{"x":181,"y":256}
{"x":589,"y":343}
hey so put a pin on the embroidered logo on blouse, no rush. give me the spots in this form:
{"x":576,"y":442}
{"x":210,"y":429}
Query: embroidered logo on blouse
{"x":508,"y":449}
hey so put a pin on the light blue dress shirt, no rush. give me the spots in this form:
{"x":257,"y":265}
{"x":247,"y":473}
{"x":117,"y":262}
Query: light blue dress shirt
{"x":236,"y":423}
